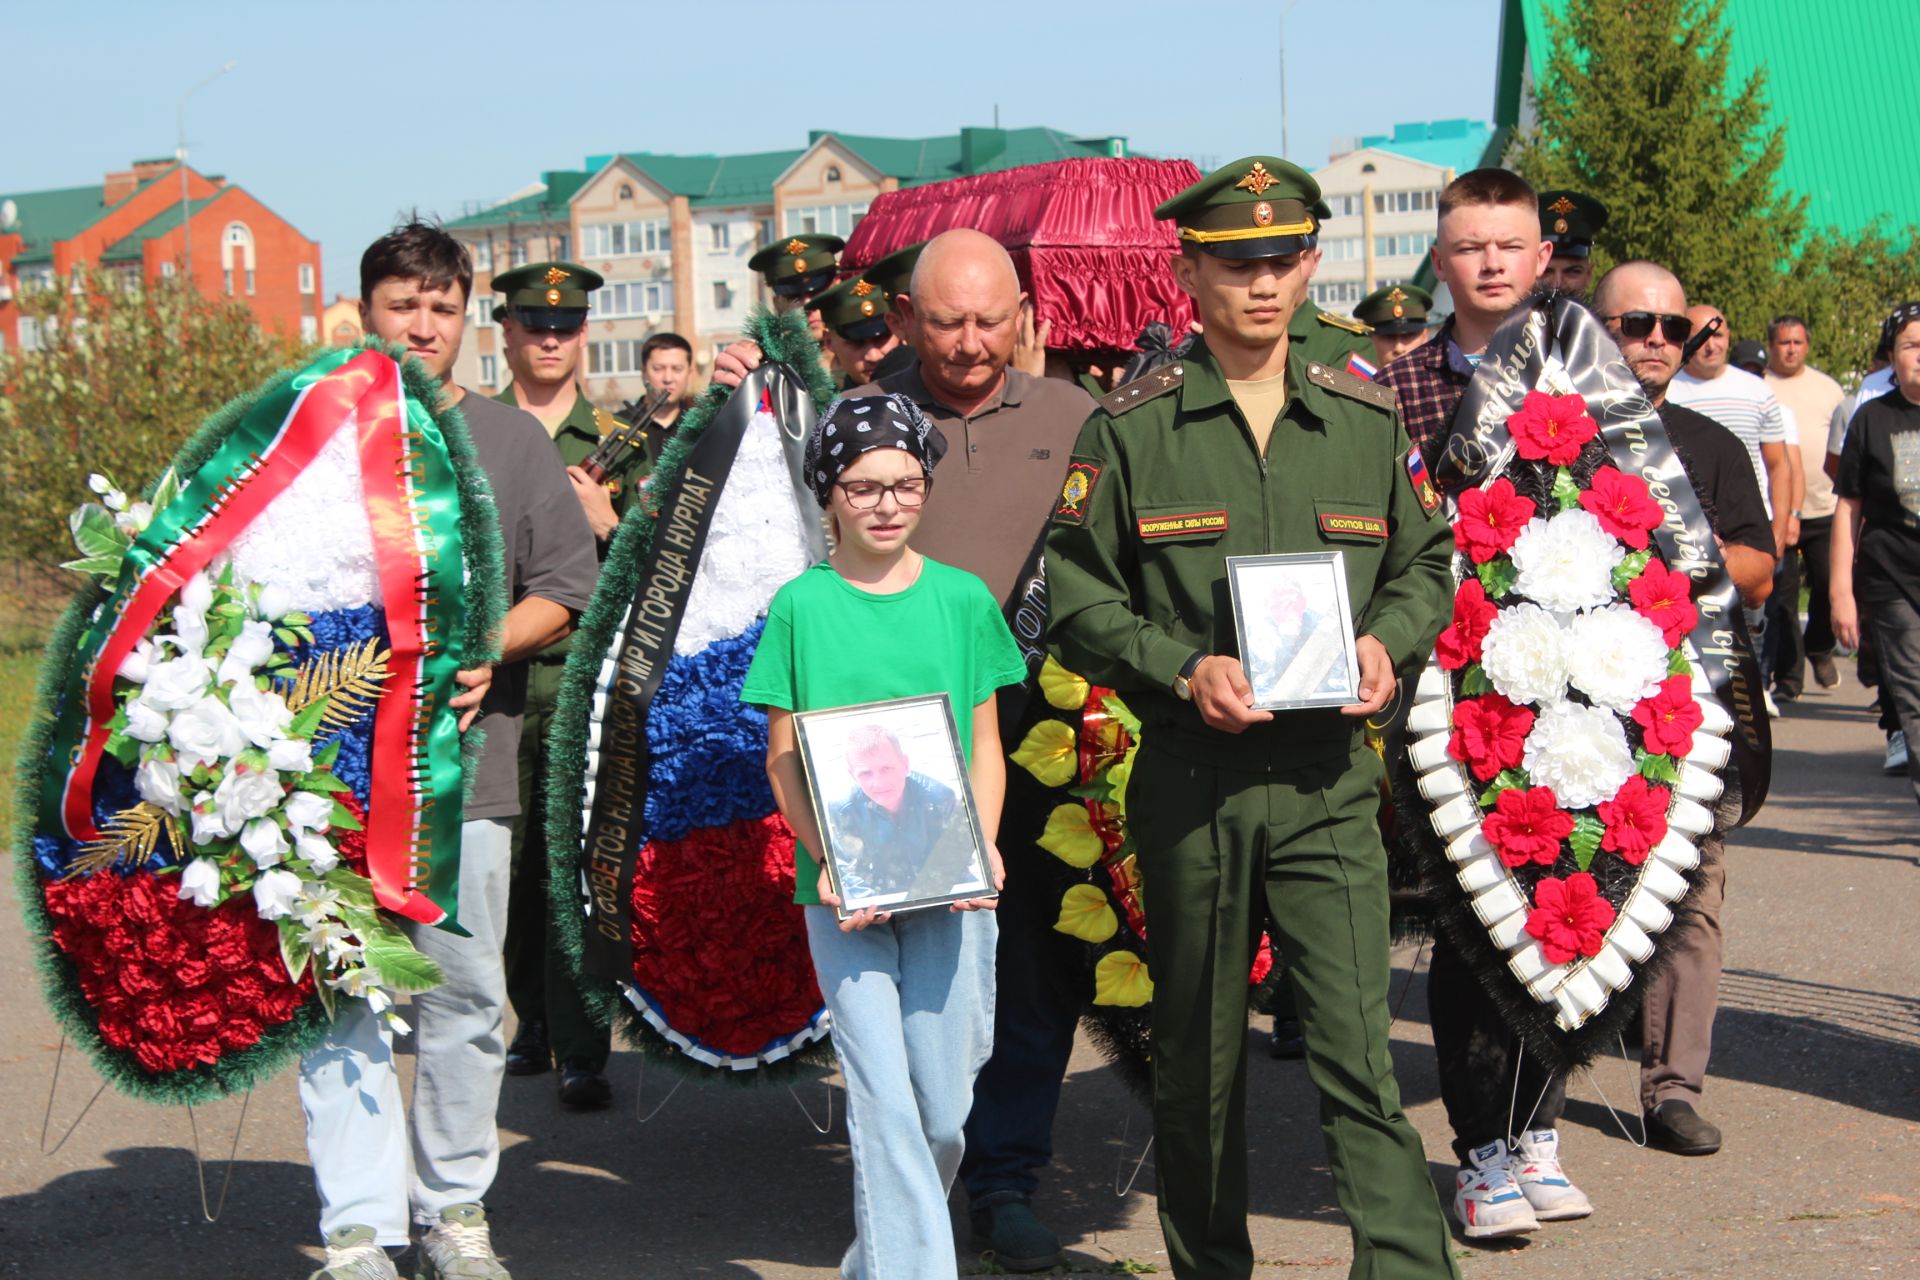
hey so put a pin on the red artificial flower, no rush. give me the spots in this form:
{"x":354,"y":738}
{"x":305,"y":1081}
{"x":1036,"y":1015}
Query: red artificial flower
{"x":1569,"y":917}
{"x":1552,"y":428}
{"x":1636,"y":819}
{"x":1491,"y":520}
{"x":1623,"y":506}
{"x":1489,"y":734}
{"x":1667,"y":719}
{"x":1473,"y":613}
{"x":1664,"y":597}
{"x":1527,"y":825}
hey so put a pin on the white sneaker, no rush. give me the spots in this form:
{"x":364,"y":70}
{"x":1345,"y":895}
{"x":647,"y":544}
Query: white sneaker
{"x":458,"y":1247}
{"x":1773,"y":708}
{"x":353,"y":1255}
{"x":1896,"y":753}
{"x":1486,"y":1199}
{"x":1535,"y":1165}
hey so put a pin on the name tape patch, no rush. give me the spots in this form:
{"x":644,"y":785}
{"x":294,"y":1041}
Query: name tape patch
{"x":1175,"y":526}
{"x":1366,"y":526}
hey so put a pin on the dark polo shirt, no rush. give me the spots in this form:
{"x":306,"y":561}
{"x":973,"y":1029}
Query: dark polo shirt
{"x":995,"y":490}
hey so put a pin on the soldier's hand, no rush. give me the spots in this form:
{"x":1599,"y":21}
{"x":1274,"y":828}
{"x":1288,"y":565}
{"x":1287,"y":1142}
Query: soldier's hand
{"x":1376,"y":677}
{"x":1030,"y":343}
{"x":594,"y":501}
{"x":1223,"y":696}
{"x":731,"y":367}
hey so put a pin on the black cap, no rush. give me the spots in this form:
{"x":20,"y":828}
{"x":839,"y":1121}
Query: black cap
{"x":1569,"y":221}
{"x":1394,"y":310}
{"x":855,"y":309}
{"x":546,"y":295}
{"x":799,"y":266}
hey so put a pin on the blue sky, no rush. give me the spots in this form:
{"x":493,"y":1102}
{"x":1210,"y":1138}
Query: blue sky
{"x":339,"y":118}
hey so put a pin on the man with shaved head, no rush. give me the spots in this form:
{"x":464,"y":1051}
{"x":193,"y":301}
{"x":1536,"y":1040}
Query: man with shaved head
{"x":1009,"y":435}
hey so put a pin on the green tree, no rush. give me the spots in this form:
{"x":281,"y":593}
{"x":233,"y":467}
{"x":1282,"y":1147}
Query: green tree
{"x":1844,"y":286}
{"x":1634,"y":105}
{"x":120,"y":380}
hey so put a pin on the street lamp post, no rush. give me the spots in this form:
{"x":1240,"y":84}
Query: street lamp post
{"x":186,"y":232}
{"x":1286,"y":151}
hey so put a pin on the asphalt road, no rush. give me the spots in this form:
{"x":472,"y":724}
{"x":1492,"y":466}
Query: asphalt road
{"x":1816,"y":1081}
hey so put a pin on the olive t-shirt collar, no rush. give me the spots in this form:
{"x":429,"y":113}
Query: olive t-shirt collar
{"x":908,"y":382}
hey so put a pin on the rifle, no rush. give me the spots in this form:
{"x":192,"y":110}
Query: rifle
{"x":616,"y":448}
{"x":1699,"y":339}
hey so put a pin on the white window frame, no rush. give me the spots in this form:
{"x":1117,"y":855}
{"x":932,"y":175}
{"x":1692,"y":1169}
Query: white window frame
{"x":489,"y":371}
{"x":306,"y":277}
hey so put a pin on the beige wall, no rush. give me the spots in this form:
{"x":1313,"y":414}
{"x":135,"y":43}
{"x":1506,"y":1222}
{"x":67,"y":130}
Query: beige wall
{"x":1349,"y":266}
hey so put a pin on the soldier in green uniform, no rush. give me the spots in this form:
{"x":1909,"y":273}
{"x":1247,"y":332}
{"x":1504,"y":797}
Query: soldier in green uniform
{"x":1252,"y":445}
{"x":797,"y":269}
{"x":543,"y":325}
{"x":1569,"y":220}
{"x":1396,"y":315}
{"x":858,"y":335}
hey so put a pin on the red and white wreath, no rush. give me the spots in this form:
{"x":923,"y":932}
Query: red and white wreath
{"x":1568,"y":742}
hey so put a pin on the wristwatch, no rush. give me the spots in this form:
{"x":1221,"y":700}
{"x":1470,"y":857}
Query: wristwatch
{"x":1183,"y":683}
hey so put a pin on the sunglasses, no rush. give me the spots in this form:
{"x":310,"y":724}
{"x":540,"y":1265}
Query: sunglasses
{"x":1638,"y":324}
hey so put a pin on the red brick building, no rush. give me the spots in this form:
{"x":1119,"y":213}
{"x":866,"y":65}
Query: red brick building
{"x":130,"y":229}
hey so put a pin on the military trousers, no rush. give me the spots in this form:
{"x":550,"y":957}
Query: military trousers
{"x":540,"y":982}
{"x":1221,"y":852}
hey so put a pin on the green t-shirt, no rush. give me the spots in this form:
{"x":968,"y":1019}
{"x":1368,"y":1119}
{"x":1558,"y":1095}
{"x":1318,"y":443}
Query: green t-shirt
{"x":830,"y":644}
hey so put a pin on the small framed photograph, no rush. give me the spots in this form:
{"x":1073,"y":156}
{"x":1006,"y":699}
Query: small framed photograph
{"x":890,"y":787}
{"x":1295,"y":629}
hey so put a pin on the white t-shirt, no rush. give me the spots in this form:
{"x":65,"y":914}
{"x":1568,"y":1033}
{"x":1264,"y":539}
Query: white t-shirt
{"x":1872,"y":386}
{"x":1742,"y":404}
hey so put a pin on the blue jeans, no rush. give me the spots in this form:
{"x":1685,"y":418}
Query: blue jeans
{"x":912,"y":1006}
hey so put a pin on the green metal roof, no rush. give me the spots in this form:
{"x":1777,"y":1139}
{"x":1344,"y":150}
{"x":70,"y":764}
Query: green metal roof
{"x":47,"y":216}
{"x":1829,"y":73}
{"x":1451,"y":144}
{"x":550,"y":204}
{"x":127,"y":248}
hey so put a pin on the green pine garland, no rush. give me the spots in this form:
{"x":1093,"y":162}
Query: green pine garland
{"x":485,"y":607}
{"x":785,"y":340}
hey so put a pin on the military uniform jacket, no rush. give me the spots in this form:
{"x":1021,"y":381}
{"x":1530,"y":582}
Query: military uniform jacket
{"x":1166,"y":482}
{"x":579,"y":435}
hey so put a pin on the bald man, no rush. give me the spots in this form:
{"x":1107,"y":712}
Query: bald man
{"x":1009,"y":435}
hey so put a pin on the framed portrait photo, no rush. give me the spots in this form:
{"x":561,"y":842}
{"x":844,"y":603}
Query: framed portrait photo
{"x":889,"y":785}
{"x":1295,"y":629}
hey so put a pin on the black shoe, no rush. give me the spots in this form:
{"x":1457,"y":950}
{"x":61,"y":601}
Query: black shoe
{"x":1825,"y":674}
{"x":1018,"y":1240}
{"x":530,"y":1054}
{"x":1288,"y":1041}
{"x":1675,"y":1126}
{"x":584,"y":1087}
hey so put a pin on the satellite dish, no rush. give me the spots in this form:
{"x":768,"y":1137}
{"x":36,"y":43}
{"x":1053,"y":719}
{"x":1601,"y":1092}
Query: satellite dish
{"x":9,"y":215}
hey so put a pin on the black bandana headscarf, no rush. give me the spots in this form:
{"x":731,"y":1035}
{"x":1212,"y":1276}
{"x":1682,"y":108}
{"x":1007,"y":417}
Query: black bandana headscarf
{"x":1903,"y":315}
{"x":851,"y":427}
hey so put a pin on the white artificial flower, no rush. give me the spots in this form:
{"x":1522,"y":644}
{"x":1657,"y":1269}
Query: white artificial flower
{"x":135,"y":518}
{"x":1581,"y":752}
{"x":249,"y":652}
{"x":1566,"y":563}
{"x":331,"y":937}
{"x":1524,"y":655}
{"x":1622,"y":657}
{"x":135,"y":665}
{"x":275,"y":602}
{"x":261,"y":713}
{"x":198,"y":593}
{"x":274,"y":893}
{"x":264,"y":842}
{"x":114,"y":500}
{"x":205,"y":733}
{"x":200,"y":882}
{"x":291,"y":755}
{"x":317,"y":850}
{"x":245,"y":794}
{"x":145,"y":722}
{"x":99,"y":483}
{"x":317,"y":902}
{"x":158,"y":782}
{"x":308,"y":811}
{"x":178,"y":683}
{"x":363,"y":984}
{"x":208,"y":826}
{"x":398,"y":1025}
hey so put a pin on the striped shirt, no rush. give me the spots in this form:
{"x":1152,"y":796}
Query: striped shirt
{"x":1742,"y":404}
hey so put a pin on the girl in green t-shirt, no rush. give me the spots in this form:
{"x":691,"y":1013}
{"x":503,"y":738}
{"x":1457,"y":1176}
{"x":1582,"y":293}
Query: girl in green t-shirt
{"x":911,"y":993}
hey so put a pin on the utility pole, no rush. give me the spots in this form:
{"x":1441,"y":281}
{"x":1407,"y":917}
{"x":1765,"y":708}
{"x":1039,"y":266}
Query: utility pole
{"x":186,"y":232}
{"x":1286,"y":147}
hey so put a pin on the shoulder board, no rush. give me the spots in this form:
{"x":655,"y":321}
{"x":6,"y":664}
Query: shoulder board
{"x":605,"y":423}
{"x":1344,"y":322}
{"x":1354,"y":387}
{"x":1156,"y":382}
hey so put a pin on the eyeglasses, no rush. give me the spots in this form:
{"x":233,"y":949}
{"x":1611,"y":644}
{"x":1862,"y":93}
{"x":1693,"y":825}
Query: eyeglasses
{"x":1638,"y":324}
{"x":864,"y":495}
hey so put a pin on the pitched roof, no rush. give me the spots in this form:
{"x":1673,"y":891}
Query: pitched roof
{"x":1828,"y":76}
{"x":1449,"y":144}
{"x":47,"y":216}
{"x":548,"y":203}
{"x":127,"y":247}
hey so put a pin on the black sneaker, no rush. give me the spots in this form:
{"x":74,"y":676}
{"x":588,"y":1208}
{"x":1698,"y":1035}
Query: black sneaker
{"x":1017,"y":1240}
{"x":584,"y":1087}
{"x":530,"y":1054}
{"x":1825,"y":674}
{"x":1675,"y":1126}
{"x":1288,"y":1041}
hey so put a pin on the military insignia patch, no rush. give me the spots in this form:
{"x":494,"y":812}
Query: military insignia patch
{"x":1562,"y":206}
{"x":555,"y":275}
{"x":1076,"y":492}
{"x":1155,"y":527}
{"x":1257,"y":179}
{"x":1423,"y":490}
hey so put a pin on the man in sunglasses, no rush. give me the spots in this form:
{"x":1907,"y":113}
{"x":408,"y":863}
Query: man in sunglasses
{"x":543,"y":324}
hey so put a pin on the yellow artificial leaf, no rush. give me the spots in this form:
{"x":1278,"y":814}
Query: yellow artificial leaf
{"x":1062,"y":688}
{"x":1084,"y":914}
{"x":1121,"y":979}
{"x":1119,"y":776}
{"x":1049,"y":753}
{"x":1070,"y":837}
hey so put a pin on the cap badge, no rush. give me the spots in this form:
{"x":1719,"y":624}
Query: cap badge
{"x":553,"y":297}
{"x":555,"y":275}
{"x":1396,"y":295}
{"x":1562,"y":206}
{"x":862,"y":289}
{"x":1560,"y":226}
{"x":1263,"y":214}
{"x":796,"y":247}
{"x":800,"y":264}
{"x":866,"y":306}
{"x":1399,"y":312}
{"x":1257,"y":180}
